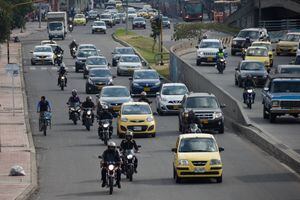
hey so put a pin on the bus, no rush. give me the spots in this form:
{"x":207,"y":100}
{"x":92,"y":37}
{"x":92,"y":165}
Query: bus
{"x":189,"y":10}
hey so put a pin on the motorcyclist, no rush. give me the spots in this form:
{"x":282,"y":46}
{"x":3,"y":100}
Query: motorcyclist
{"x":88,"y":103}
{"x":105,"y":114}
{"x":61,"y":72}
{"x":129,"y":144}
{"x":202,"y":38}
{"x":111,"y":154}
{"x":73,"y":44}
{"x":194,"y":128}
{"x":190,"y":119}
{"x":247,"y":42}
{"x":144,"y":98}
{"x":42,"y":107}
{"x":73,"y":100}
{"x":248,"y":83}
{"x":220,"y":55}
{"x":58,"y":50}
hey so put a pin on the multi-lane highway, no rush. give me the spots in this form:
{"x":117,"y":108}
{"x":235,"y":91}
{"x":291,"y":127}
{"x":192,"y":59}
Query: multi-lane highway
{"x":67,"y":156}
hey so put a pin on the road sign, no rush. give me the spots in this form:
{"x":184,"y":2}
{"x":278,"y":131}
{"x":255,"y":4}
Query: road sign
{"x":12,"y":69}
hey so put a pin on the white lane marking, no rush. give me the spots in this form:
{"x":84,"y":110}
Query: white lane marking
{"x":32,"y":68}
{"x":66,"y":68}
{"x":54,"y":68}
{"x":43,"y":68}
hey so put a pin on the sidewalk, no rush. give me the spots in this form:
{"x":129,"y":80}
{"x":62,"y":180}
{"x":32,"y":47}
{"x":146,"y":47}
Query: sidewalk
{"x":16,"y":146}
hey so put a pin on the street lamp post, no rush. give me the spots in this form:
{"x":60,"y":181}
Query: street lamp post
{"x":126,"y":17}
{"x":259,"y":12}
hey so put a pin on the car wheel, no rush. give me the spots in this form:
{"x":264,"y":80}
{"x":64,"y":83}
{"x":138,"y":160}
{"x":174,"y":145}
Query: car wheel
{"x":219,"y":179}
{"x":32,"y":63}
{"x":198,"y":63}
{"x":87,"y":90}
{"x":265,"y":114}
{"x":93,"y":32}
{"x":153,"y":135}
{"x":104,"y":32}
{"x":233,"y":53}
{"x":118,"y":73}
{"x":240,"y":83}
{"x":272,"y":117}
{"x":221,"y":129}
{"x":160,"y":112}
{"x":76,"y":70}
{"x":176,"y":177}
{"x":235,"y":82}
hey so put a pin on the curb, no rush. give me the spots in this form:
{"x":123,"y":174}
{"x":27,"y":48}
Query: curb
{"x":115,"y":38}
{"x":33,"y":171}
{"x":252,"y":132}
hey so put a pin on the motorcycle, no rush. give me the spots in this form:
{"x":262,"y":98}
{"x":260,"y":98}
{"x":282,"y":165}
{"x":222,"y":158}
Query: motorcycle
{"x":194,"y":128}
{"x":59,"y":59}
{"x":111,"y":175}
{"x":221,"y":65}
{"x":128,"y":163}
{"x":70,"y":27}
{"x":74,"y":113}
{"x":104,"y":130}
{"x":73,"y":52}
{"x":62,"y":82}
{"x":244,"y":50}
{"x":249,"y":97}
{"x":45,"y":121}
{"x":88,"y":118}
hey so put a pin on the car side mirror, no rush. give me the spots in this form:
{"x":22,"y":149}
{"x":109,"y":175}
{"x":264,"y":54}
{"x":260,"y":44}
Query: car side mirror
{"x":224,"y":47}
{"x":157,"y":93}
{"x":266,"y":89}
{"x":155,"y":113}
{"x":31,"y":51}
{"x":292,"y":62}
{"x":221,"y":149}
{"x":174,"y":149}
{"x":98,"y":96}
{"x":223,"y":106}
{"x":109,"y":64}
{"x":114,"y":76}
{"x":100,"y":157}
{"x":144,"y":63}
{"x":236,"y":68}
{"x":197,"y":47}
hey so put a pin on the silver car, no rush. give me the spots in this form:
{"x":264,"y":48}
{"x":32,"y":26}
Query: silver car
{"x":42,"y":54}
{"x":127,"y":64}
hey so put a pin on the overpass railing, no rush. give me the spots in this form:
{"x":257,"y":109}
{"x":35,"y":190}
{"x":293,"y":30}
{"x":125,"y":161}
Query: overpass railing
{"x":278,"y":25}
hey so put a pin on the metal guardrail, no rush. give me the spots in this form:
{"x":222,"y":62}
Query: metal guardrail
{"x":277,"y":25}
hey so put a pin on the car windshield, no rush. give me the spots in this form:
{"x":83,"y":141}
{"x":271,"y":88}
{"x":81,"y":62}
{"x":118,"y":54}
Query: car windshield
{"x":290,"y":70}
{"x":145,"y":75}
{"x":79,"y":16}
{"x":55,"y":26}
{"x":87,"y":47}
{"x":121,"y":14}
{"x":250,"y":34}
{"x":131,"y":12}
{"x":96,"y":61}
{"x":100,"y":73}
{"x":286,"y":86}
{"x":130,"y":59}
{"x":87,"y":53}
{"x":197,"y":145}
{"x":206,"y":44}
{"x":99,"y":23}
{"x":202,"y":102}
{"x":268,"y":46}
{"x":257,"y":52}
{"x":43,"y":49}
{"x":136,"y":110}
{"x":105,"y":16}
{"x":93,"y":12}
{"x":253,"y":66}
{"x":174,"y":90}
{"x":292,"y":38}
{"x":192,"y":8}
{"x":124,"y":51}
{"x":115,"y":92}
{"x":140,"y":19}
{"x":165,"y":19}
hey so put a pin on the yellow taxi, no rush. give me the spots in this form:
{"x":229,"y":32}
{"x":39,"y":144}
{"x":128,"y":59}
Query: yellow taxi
{"x":197,"y":155}
{"x":142,"y":13}
{"x":268,"y":45}
{"x":79,"y":19}
{"x":258,"y":54}
{"x":289,"y":44}
{"x":137,"y":117}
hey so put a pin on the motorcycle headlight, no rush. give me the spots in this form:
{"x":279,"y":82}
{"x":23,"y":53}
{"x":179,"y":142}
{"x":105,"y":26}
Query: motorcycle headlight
{"x":183,"y":162}
{"x":149,"y":119}
{"x":217,"y":115}
{"x":215,"y":162}
{"x":62,"y":77}
{"x":275,"y":103}
{"x":124,"y":119}
{"x":89,"y":112}
{"x":72,"y":109}
{"x":250,"y":90}
{"x":111,"y":167}
{"x":105,"y":125}
{"x":129,"y":157}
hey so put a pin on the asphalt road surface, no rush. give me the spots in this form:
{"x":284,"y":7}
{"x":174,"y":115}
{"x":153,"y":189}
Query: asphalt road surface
{"x":67,"y":156}
{"x":286,"y":129}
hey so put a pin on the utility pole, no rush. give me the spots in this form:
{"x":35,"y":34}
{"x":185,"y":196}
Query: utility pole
{"x":160,"y":38}
{"x":40,"y":14}
{"x":259,"y":12}
{"x":126,"y":17}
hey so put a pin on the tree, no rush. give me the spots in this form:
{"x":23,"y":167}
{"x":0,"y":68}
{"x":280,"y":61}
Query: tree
{"x":5,"y":21}
{"x":19,"y":12}
{"x":155,"y":26}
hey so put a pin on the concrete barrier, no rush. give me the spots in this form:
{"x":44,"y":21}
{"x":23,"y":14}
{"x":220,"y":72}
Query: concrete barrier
{"x":235,"y":118}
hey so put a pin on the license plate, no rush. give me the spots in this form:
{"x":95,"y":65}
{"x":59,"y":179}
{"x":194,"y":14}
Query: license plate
{"x":199,"y":170}
{"x":175,"y":107}
{"x":116,"y":108}
{"x":99,"y":86}
{"x":146,"y":89}
{"x":204,"y":121}
{"x":137,"y":128}
{"x":210,"y":59}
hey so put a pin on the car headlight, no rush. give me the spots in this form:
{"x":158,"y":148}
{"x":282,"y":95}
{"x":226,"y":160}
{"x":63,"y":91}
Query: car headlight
{"x":275,"y":103}
{"x":183,"y":162}
{"x":215,"y":162}
{"x":110,"y":82}
{"x":90,"y":82}
{"x":124,"y":119}
{"x":157,"y":84}
{"x":149,"y":119}
{"x":164,"y":99}
{"x":217,"y":115}
{"x":200,"y":53}
{"x":234,"y":42}
{"x":135,"y":84}
{"x":185,"y":114}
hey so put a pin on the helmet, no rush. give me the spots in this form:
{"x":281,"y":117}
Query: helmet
{"x":105,"y":107}
{"x":111,"y":145}
{"x":204,"y":37}
{"x":220,"y":49}
{"x":88,"y":98}
{"x":247,"y":38}
{"x":129,"y":135}
{"x":74,"y":40}
{"x":74,"y":92}
{"x":144,"y":94}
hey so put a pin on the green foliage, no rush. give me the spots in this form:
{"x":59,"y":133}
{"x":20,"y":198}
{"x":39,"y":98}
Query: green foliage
{"x":195,"y":30}
{"x":4,"y":21}
{"x":155,"y":26}
{"x":19,"y":12}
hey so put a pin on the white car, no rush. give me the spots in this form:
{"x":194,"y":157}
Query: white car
{"x":94,"y":62}
{"x":42,"y":54}
{"x":99,"y":26}
{"x":127,"y":64}
{"x":298,"y":50}
{"x":207,"y":51}
{"x":131,"y":14}
{"x":44,"y":42}
{"x":169,"y":98}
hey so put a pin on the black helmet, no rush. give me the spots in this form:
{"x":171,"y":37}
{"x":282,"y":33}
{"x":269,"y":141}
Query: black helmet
{"x":74,"y":92}
{"x":129,"y":135}
{"x":220,"y":49}
{"x":247,"y":38}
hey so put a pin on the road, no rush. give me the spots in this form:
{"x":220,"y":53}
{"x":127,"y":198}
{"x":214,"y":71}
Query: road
{"x":67,"y":156}
{"x":286,"y":129}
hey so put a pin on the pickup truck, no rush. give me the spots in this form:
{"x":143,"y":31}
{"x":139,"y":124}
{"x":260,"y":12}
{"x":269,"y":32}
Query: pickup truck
{"x":281,"y":96}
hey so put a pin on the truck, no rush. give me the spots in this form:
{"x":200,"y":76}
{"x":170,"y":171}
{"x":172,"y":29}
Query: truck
{"x":57,"y":25}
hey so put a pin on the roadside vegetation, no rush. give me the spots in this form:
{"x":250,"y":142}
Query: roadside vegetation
{"x":144,"y":46}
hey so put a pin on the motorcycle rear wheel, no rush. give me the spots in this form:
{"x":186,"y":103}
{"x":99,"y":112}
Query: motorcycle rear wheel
{"x":111,"y":185}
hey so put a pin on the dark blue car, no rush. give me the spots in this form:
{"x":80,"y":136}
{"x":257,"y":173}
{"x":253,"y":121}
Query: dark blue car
{"x":147,"y":80}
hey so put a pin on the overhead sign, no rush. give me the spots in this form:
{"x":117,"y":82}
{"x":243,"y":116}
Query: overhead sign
{"x":12,"y":69}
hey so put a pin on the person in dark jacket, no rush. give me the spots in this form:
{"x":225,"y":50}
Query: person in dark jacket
{"x":248,"y":84}
{"x":103,"y":115}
